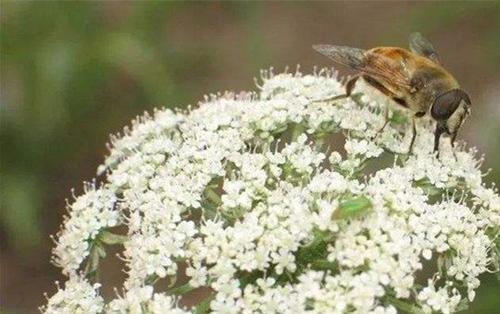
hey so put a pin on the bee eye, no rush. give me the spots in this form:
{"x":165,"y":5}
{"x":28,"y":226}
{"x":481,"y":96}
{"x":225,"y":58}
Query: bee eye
{"x":446,"y":104}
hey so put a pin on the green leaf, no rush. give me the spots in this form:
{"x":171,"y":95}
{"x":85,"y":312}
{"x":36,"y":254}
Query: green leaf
{"x":429,"y":188}
{"x":280,"y":129}
{"x":247,"y":278}
{"x":209,"y":211}
{"x":152,"y":279}
{"x":463,"y":305}
{"x":315,"y":253}
{"x":213,"y":197}
{"x":110,"y":238}
{"x":92,"y":262}
{"x":353,"y":207}
{"x":297,"y":130}
{"x":99,"y":248}
{"x":440,"y":263}
{"x":172,"y":281}
{"x":204,"y":306}
{"x":324,"y":264}
{"x":185,"y":288}
{"x":405,"y":307}
{"x":399,"y":117}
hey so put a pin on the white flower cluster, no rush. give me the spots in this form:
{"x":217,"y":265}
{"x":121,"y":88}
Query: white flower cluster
{"x":89,"y":214}
{"x":282,"y":202}
{"x":144,"y":300}
{"x":77,"y":297}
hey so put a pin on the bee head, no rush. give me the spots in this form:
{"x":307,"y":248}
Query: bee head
{"x":450,"y":109}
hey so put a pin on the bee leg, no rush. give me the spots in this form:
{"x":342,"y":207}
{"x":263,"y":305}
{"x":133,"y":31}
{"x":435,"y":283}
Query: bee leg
{"x":413,"y":136}
{"x":348,"y":90}
{"x":386,"y":122}
{"x":336,"y":97}
{"x":437,"y":136}
{"x":349,"y":86}
{"x":452,"y":138}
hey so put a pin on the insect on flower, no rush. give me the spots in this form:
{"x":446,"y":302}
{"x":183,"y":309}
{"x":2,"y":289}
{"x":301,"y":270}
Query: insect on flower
{"x":414,"y":79}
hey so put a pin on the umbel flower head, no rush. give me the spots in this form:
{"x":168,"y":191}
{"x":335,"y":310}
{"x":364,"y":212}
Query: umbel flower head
{"x":279,"y":201}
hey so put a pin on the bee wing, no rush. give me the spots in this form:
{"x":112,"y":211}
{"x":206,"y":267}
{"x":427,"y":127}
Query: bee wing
{"x":374,"y":62}
{"x":421,"y":46}
{"x":352,"y":57}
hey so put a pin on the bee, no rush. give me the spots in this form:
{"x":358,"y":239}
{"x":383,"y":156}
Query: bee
{"x":412,"y":78}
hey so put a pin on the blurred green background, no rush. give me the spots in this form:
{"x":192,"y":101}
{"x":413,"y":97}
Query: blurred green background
{"x":74,"y":72}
